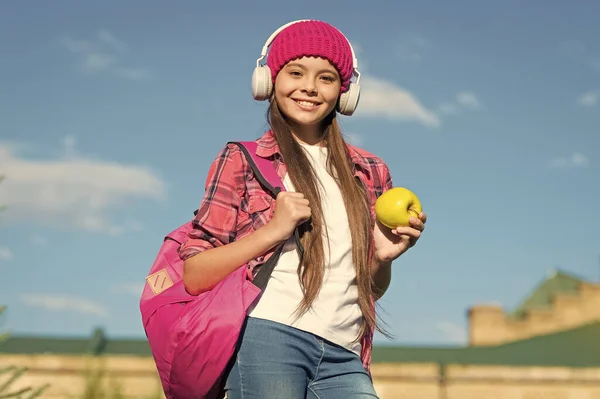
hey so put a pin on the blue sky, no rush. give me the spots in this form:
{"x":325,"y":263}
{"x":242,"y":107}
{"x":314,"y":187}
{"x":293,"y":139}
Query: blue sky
{"x":110,"y":116}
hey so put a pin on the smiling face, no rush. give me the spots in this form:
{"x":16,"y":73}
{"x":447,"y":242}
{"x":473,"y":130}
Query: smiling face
{"x":307,"y":91}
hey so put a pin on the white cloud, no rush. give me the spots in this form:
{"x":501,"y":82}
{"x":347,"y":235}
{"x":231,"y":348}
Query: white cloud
{"x":381,"y":98}
{"x":73,"y":191}
{"x":464,"y":100}
{"x":102,"y":55}
{"x":468,"y":100}
{"x":63,"y":302}
{"x":94,"y":62}
{"x":133,"y":73}
{"x":448,"y":108}
{"x":6,"y":255}
{"x":128,"y":288}
{"x":453,"y":332}
{"x":410,"y":49}
{"x":385,"y":99}
{"x":575,"y":160}
{"x":589,"y":99}
{"x":110,"y":39}
{"x":38,"y":240}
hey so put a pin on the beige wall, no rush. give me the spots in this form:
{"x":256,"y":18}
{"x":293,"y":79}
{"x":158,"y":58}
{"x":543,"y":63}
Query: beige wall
{"x":489,"y":325}
{"x":67,"y":374}
{"x":407,"y":381}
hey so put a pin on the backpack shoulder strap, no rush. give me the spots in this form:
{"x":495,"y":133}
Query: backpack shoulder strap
{"x":268,"y":177}
{"x":263,"y":168}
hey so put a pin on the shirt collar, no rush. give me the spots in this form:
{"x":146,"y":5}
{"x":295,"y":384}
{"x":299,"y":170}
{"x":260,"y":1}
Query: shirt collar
{"x":267,"y":147}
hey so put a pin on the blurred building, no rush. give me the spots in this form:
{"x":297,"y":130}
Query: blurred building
{"x":548,"y":347}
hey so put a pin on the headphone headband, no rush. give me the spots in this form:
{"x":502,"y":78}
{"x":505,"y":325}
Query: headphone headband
{"x":265,"y":48}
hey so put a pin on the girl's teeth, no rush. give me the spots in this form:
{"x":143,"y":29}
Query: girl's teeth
{"x":306,"y":104}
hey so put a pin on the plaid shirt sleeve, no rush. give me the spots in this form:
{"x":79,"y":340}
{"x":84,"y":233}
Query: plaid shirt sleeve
{"x":381,"y":177}
{"x":217,"y":217}
{"x":386,"y":177}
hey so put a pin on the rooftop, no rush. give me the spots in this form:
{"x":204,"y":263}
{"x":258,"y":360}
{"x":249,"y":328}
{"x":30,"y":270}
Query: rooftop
{"x":559,"y":282}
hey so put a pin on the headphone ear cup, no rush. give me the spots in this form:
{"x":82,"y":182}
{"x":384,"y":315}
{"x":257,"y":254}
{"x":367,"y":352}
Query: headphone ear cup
{"x":349,"y":100}
{"x":262,"y":84}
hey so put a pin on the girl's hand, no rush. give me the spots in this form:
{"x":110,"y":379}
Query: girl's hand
{"x":391,"y":243}
{"x":291,"y":210}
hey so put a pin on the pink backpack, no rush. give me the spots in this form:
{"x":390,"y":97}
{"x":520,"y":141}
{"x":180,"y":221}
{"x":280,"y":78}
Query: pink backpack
{"x":193,"y":338}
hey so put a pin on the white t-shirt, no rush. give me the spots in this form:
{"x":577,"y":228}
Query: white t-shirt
{"x":335,"y":314}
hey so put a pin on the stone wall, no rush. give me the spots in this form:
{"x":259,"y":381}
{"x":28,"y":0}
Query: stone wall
{"x":138,"y":379}
{"x":489,"y":325}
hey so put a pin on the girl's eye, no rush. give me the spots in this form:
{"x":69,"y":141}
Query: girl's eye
{"x":328,"y":78}
{"x":295,"y":73}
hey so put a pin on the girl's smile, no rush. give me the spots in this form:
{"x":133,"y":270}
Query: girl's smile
{"x":307,"y":105}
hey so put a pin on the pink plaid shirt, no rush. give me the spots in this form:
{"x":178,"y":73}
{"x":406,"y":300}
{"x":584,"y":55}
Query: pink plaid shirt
{"x":235,"y":204}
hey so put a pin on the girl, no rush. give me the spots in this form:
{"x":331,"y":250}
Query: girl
{"x":309,"y":335}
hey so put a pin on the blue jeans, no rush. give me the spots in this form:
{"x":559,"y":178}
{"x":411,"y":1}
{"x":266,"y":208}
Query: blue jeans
{"x":281,"y":362}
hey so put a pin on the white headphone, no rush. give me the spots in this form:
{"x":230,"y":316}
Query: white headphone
{"x":262,"y":83}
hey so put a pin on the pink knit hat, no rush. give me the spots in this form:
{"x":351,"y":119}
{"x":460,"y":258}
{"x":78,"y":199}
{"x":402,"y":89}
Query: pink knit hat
{"x":311,"y":38}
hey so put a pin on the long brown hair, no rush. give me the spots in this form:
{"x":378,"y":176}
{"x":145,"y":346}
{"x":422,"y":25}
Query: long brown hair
{"x":312,"y":263}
